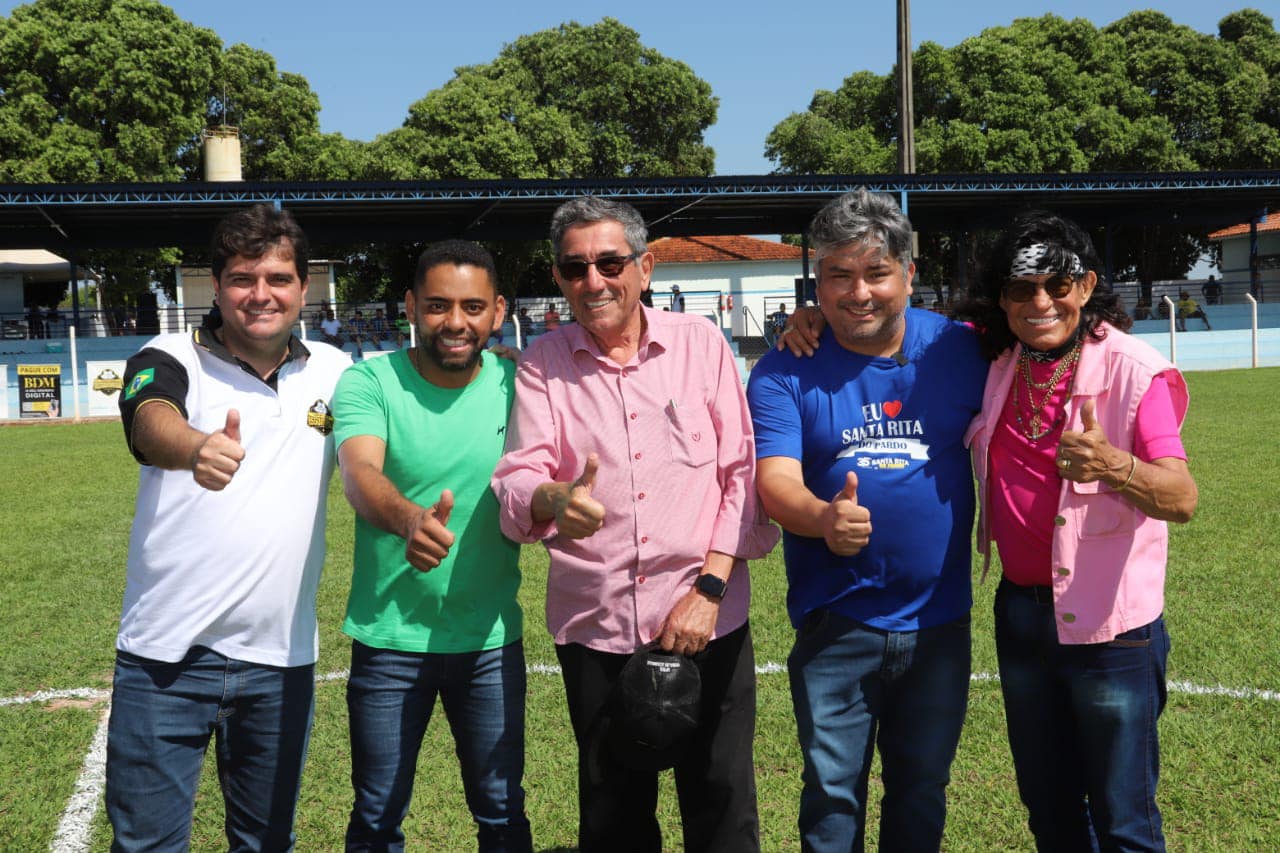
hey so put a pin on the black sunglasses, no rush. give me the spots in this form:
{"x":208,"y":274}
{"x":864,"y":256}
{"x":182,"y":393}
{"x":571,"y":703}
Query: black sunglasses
{"x":1024,"y":291}
{"x":608,"y":266}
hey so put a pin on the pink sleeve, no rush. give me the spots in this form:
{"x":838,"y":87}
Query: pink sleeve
{"x":532,"y":457}
{"x":1155,"y":431}
{"x":741,"y":528}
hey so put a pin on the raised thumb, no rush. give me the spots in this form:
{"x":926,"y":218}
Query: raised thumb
{"x":1088,"y":416}
{"x":588,"y":479}
{"x":232,"y":427}
{"x":850,"y":490}
{"x":444,"y":506}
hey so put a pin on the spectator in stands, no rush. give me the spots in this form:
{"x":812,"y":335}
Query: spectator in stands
{"x":402,"y":329}
{"x":35,"y":323}
{"x":1211,"y":290}
{"x":1188,"y":307}
{"x":677,"y":299}
{"x":777,"y":322}
{"x":551,"y":318}
{"x":1142,"y":309}
{"x":378,"y":331}
{"x":526,"y":324}
{"x":52,"y":319}
{"x":331,"y":330}
{"x":1080,"y":466}
{"x":359,"y":331}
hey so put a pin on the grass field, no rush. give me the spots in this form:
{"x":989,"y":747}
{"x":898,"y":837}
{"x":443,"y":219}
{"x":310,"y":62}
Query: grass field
{"x":65,"y":509}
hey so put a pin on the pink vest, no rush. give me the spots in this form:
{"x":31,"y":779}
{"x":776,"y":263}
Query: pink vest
{"x":1108,"y":558}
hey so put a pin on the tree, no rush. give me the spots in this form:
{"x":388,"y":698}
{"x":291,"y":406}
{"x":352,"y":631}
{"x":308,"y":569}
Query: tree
{"x":1052,"y":95}
{"x":120,"y":90}
{"x":570,"y":102}
{"x":101,"y":90}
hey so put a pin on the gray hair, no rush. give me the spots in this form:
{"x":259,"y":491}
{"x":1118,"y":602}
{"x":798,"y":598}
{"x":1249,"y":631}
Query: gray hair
{"x":589,"y":208}
{"x":872,"y":220}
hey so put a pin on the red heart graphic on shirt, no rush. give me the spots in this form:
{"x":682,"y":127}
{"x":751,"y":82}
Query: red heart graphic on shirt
{"x":893,"y":408}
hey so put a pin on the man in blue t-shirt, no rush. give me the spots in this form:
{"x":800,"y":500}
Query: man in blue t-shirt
{"x":861,"y":461}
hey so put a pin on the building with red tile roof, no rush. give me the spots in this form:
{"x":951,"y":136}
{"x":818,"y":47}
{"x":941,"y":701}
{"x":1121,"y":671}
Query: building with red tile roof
{"x":1235,"y":264}
{"x":737,"y":281}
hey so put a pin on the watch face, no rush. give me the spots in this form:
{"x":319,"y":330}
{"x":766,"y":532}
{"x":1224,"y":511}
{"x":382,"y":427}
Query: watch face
{"x":711,"y":585}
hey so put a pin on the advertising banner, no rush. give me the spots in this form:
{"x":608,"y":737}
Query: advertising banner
{"x":39,"y":390}
{"x":4,"y":387}
{"x":106,"y":379}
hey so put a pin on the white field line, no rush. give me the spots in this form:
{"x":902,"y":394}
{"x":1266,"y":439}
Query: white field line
{"x":77,"y":819}
{"x":76,"y":826}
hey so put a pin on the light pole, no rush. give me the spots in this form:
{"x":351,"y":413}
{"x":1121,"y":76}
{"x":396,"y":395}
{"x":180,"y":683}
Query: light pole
{"x":906,"y":105}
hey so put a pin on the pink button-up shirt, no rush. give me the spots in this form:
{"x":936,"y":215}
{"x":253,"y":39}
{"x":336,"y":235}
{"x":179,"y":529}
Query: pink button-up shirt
{"x":676,"y":476}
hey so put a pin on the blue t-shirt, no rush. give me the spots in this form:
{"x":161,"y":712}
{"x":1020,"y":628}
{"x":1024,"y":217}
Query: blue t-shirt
{"x":900,"y":428}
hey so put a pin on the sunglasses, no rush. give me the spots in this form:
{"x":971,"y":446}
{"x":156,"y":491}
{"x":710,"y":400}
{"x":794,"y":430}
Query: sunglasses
{"x":609,"y":266}
{"x":1024,"y":291}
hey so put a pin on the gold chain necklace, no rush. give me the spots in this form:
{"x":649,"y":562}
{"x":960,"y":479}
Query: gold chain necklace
{"x":1034,"y":428}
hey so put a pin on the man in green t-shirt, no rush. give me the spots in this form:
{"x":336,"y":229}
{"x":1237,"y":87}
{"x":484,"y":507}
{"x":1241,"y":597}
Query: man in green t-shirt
{"x":433,"y":608}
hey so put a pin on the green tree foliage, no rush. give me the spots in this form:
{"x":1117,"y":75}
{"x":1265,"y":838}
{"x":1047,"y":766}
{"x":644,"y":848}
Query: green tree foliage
{"x":121,"y":90}
{"x":570,"y":102}
{"x":1052,"y":95}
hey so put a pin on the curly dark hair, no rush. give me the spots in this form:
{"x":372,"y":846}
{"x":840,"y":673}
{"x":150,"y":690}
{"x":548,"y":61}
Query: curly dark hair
{"x":981,"y":303}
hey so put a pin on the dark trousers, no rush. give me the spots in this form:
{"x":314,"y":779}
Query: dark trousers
{"x":715,"y":781}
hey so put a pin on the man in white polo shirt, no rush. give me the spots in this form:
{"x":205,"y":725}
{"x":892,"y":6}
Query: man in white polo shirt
{"x":218,"y":632}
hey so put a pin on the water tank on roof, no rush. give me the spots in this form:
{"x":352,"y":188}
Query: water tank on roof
{"x":222,"y":154}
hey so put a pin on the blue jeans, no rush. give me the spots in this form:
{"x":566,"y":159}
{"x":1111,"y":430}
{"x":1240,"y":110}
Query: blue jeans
{"x":162,"y":716}
{"x":855,"y":688}
{"x":390,"y":697}
{"x":1082,"y":726}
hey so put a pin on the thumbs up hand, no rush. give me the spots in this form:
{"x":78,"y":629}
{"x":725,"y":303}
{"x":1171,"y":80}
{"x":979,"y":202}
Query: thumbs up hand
{"x":216,"y":459}
{"x":577,"y":514}
{"x":846,"y":526}
{"x":427,"y":540}
{"x":1086,"y":455}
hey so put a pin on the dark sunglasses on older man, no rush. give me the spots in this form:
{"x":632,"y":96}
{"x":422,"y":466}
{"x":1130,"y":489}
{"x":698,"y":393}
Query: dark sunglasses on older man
{"x":608,"y":266}
{"x":1024,"y":291}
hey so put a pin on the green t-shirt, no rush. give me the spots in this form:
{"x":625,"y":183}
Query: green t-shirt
{"x":436,"y":438}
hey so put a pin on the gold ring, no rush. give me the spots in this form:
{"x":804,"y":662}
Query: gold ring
{"x":1064,"y":464}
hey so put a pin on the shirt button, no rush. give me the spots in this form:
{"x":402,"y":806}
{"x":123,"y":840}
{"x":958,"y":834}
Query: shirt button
{"x":644,"y":539}
{"x":633,"y":416}
{"x":1057,"y":519}
{"x":1063,"y":571}
{"x":640,"y":579}
{"x":641,"y":496}
{"x":1068,"y":617}
{"x":638,"y":455}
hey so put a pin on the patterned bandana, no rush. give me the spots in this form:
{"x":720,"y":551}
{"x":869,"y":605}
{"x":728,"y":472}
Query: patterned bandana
{"x":1034,"y":260}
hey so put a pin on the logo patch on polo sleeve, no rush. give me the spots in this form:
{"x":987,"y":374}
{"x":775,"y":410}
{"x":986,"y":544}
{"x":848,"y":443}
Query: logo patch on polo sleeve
{"x":320,"y":417}
{"x":140,"y":381}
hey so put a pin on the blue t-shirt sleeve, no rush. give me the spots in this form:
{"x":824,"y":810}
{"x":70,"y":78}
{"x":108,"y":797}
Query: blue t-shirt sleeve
{"x":775,"y":408}
{"x":358,"y":406}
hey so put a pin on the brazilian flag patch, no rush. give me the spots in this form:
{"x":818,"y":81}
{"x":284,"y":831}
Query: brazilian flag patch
{"x":140,"y":381}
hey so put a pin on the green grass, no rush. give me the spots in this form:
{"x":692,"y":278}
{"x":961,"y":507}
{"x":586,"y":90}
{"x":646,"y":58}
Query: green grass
{"x":65,"y":512}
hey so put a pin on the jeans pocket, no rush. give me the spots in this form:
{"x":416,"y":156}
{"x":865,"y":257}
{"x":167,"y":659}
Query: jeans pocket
{"x":1135,"y":638}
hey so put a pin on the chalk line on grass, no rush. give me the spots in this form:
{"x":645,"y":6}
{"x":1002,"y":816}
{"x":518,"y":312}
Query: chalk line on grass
{"x":77,"y":819}
{"x":75,"y":829}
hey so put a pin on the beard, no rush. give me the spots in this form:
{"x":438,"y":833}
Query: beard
{"x":453,"y":361}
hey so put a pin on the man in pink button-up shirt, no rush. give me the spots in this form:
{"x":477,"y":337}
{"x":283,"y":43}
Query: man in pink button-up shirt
{"x":630,"y":455}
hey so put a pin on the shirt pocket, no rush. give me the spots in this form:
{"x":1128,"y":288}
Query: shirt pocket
{"x":690,"y":435}
{"x":1105,"y":512}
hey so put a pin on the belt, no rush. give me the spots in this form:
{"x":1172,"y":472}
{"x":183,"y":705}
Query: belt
{"x":1038,"y":594}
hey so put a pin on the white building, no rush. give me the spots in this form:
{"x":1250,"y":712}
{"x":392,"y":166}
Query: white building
{"x":737,"y":281}
{"x":1235,"y":258}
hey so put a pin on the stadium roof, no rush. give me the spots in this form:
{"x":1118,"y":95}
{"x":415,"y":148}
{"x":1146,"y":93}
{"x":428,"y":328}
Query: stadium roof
{"x":69,"y":218}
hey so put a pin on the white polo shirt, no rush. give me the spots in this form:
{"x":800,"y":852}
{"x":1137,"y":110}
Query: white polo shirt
{"x":235,"y":571}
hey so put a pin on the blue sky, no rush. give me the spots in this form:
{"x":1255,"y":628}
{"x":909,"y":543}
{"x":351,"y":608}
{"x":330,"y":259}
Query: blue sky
{"x":368,"y":61}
